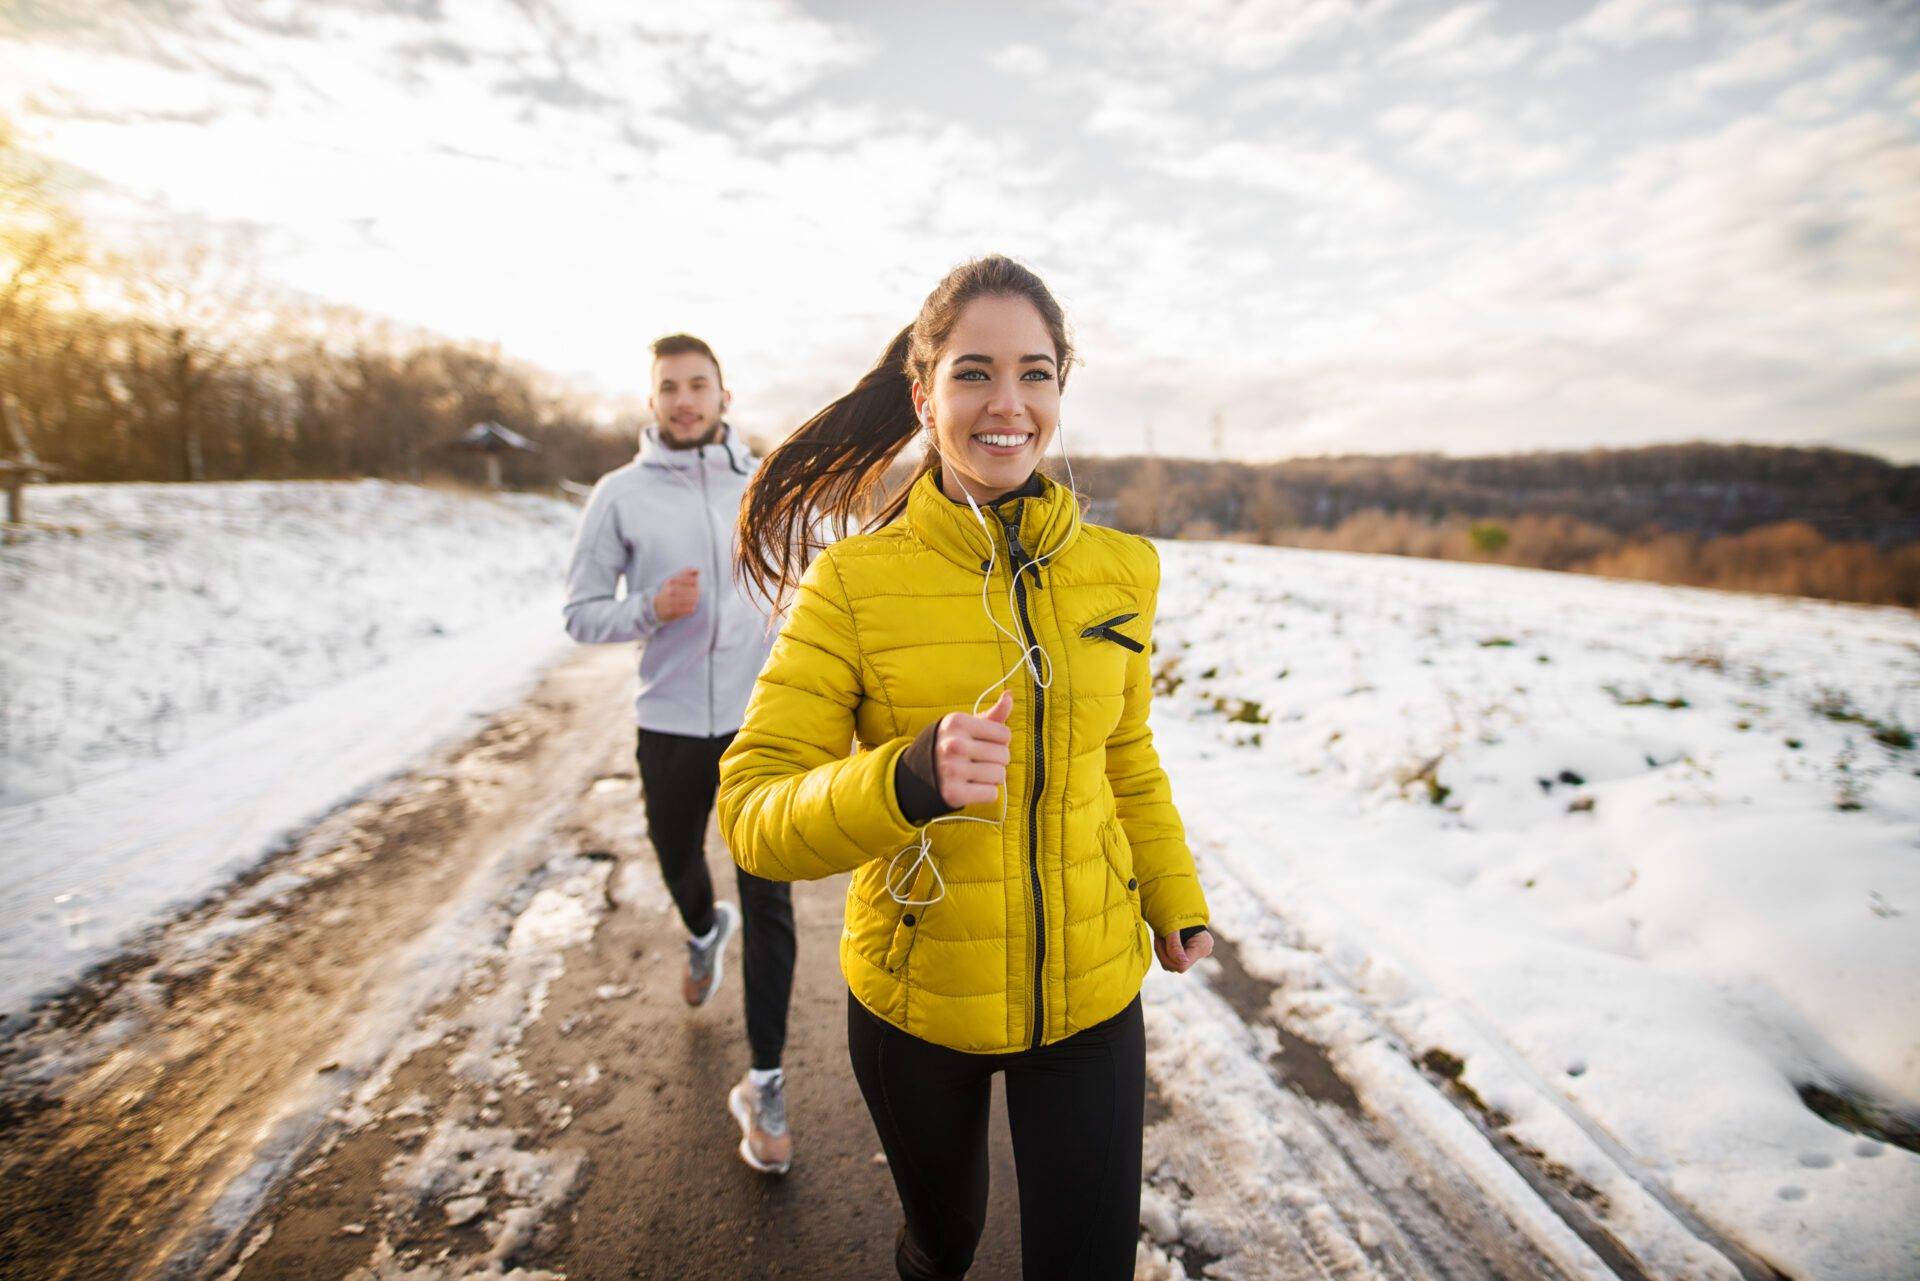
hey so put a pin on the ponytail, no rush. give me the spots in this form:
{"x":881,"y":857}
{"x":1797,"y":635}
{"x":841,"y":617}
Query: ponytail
{"x":827,"y":475}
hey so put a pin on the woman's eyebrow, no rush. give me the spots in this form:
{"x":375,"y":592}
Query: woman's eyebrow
{"x":988,"y":360}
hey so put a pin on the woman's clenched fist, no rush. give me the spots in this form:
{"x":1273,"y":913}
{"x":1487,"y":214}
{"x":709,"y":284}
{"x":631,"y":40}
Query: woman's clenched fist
{"x":971,"y":753}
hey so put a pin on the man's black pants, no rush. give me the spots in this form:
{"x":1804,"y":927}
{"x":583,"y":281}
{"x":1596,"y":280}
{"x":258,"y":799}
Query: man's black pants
{"x":1076,"y":1109}
{"x":679,"y":775}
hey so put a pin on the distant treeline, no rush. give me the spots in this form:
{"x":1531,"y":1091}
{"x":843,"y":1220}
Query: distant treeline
{"x":177,"y":363}
{"x":108,"y":398}
{"x":1698,"y":488}
{"x":1811,"y":522}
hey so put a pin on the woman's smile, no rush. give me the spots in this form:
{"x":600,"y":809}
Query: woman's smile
{"x":1003,"y":444}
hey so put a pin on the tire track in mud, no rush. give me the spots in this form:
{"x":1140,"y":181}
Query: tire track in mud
{"x":1372,"y":1177}
{"x":142,"y":1110}
{"x":1263,"y":1162}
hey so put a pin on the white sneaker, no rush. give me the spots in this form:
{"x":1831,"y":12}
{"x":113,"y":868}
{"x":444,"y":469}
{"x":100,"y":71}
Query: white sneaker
{"x":706,"y":962}
{"x":765,"y":1142}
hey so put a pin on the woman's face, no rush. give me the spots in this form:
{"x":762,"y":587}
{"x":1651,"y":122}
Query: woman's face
{"x":995,"y":397}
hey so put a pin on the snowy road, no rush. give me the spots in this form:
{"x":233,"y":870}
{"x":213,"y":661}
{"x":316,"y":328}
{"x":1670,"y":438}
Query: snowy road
{"x":439,"y":1038}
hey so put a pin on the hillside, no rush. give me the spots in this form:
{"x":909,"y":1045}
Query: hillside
{"x":1699,"y":488}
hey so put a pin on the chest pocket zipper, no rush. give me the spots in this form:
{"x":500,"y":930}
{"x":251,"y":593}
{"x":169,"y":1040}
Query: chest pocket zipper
{"x":1104,"y":631}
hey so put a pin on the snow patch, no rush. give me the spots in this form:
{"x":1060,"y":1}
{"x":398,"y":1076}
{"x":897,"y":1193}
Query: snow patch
{"x":194,"y":672}
{"x":1639,"y":860}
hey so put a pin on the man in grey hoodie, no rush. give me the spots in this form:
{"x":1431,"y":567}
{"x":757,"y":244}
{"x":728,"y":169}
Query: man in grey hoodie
{"x":665,"y":524}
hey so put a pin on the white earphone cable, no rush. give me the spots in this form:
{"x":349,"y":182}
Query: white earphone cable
{"x":900,"y":882}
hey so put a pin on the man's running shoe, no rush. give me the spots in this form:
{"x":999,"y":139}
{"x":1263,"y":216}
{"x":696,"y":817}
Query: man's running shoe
{"x":761,"y":1110}
{"x":706,"y":961}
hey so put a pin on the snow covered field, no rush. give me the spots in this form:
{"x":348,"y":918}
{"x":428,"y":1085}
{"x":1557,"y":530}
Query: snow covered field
{"x":1632,"y":871}
{"x":192,"y":670}
{"x":1637,"y":867}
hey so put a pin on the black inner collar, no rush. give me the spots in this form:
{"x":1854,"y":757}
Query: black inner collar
{"x":1032,"y":489}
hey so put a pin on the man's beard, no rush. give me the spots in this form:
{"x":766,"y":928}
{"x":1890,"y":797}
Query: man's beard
{"x":708,"y":437}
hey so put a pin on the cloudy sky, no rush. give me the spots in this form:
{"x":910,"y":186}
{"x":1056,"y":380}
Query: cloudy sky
{"x":1326,"y":225}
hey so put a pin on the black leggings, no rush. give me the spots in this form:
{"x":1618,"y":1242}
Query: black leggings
{"x":679,"y":775}
{"x":1075,"y":1110}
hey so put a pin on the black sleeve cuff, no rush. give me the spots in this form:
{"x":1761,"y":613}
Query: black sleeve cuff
{"x":1186,"y":935}
{"x":916,"y":783}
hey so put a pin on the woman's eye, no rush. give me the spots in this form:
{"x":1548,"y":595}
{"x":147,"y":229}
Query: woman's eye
{"x":1039,"y":375}
{"x":971,"y":375}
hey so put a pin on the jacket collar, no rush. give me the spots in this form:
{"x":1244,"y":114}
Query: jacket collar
{"x":722,"y":453}
{"x":1047,"y":522}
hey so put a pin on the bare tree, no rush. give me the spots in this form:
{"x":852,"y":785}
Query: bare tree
{"x":44,"y":256}
{"x":200,"y":304}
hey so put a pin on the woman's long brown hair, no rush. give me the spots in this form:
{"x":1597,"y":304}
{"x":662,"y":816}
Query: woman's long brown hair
{"x":828,"y":475}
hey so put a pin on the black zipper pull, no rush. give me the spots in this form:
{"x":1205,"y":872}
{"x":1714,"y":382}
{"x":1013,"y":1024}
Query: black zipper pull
{"x":1104,"y":631}
{"x":1019,"y":553}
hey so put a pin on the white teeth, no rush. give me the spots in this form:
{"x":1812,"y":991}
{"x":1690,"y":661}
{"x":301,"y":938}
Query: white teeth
{"x":1003,"y":440}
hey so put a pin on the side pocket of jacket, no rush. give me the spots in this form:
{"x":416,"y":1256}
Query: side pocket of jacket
{"x":905,"y":930}
{"x":1113,"y":840}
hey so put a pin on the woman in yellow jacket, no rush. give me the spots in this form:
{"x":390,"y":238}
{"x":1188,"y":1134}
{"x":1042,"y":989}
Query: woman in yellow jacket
{"x":955,"y":712}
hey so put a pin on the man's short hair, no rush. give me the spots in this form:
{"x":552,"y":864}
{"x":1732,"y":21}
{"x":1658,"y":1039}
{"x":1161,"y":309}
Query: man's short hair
{"x":681,"y":344}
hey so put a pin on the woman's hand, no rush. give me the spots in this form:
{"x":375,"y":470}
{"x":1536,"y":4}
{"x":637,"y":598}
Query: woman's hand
{"x":971,"y":753}
{"x":1180,"y":959}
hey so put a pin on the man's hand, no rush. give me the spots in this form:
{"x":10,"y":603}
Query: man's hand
{"x":970,"y":753}
{"x":678,"y":596}
{"x":1180,"y":959}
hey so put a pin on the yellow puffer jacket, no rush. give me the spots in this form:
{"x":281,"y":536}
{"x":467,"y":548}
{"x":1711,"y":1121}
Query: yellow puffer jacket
{"x":1038,"y":933}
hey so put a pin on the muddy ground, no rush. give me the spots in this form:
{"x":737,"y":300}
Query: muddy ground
{"x":440,"y":1036}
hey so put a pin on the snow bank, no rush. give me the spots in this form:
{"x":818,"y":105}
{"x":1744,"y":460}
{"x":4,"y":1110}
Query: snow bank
{"x":142,"y":619}
{"x":1640,"y":855}
{"x":194,"y":671}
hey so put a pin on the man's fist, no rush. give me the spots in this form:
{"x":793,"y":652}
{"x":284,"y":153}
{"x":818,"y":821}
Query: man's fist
{"x":677,"y":596}
{"x":970,"y":753}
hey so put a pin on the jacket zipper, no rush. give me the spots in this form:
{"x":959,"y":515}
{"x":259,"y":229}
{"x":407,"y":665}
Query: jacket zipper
{"x":713,"y":586}
{"x":1019,"y":555}
{"x":1104,"y":631}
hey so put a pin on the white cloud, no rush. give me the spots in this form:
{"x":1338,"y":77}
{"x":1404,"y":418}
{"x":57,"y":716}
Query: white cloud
{"x":1198,"y":38}
{"x":1623,"y":23}
{"x":1771,"y":44}
{"x":1134,"y":110}
{"x":1444,"y":33}
{"x":762,"y":49}
{"x":1842,"y":89}
{"x":1021,"y":60}
{"x":1338,"y":180}
{"x":1754,"y":282}
{"x":1472,"y":144}
{"x":1460,"y":41}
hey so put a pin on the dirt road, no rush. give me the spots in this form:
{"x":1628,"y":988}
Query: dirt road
{"x":440,"y":1036}
{"x":319,"y":1030}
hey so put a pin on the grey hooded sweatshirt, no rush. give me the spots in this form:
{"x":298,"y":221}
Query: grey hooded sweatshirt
{"x":664,"y":511}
